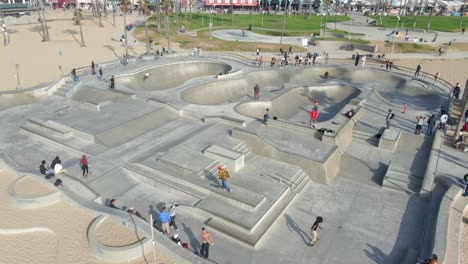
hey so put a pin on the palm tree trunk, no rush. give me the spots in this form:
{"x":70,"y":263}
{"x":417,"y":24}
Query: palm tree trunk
{"x":42,"y":23}
{"x":430,"y":20}
{"x":105,"y":8}
{"x":159,"y":16}
{"x":146,"y":35}
{"x":168,"y":33}
{"x":82,"y":39}
{"x":125,"y":34}
{"x":232,"y":12}
{"x":113,"y":14}
{"x":98,"y":12}
{"x":46,"y":35}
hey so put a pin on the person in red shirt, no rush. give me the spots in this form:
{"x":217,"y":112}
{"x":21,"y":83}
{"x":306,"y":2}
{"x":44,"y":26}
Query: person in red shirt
{"x":465,"y":127}
{"x":313,"y":118}
{"x":84,"y":165}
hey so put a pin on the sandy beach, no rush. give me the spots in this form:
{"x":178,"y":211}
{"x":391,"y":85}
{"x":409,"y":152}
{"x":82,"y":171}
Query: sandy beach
{"x":62,"y":230}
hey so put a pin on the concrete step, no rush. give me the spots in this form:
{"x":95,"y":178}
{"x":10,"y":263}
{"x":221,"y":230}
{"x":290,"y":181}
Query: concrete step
{"x":242,"y":198}
{"x":243,"y":148}
{"x":366,"y":137}
{"x":402,"y":182}
{"x":252,"y":237}
{"x":160,"y":179}
{"x":296,"y":175}
{"x":60,"y":93}
{"x":210,"y":169}
{"x":303,"y":180}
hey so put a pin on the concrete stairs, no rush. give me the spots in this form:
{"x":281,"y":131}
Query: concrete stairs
{"x":211,"y":169}
{"x":62,"y":90}
{"x":366,"y":137}
{"x":243,"y":148}
{"x":62,"y":136}
{"x":297,"y":182}
{"x":402,"y":181}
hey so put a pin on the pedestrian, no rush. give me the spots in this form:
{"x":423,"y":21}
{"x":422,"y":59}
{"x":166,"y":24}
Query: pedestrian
{"x":431,"y":124}
{"x":84,"y":165}
{"x":419,"y":124}
{"x":112,"y":82}
{"x":93,"y":68}
{"x":389,"y":118}
{"x":172,"y":214}
{"x":390,"y":64}
{"x":257,"y":52}
{"x":290,"y":50}
{"x":313,"y":230}
{"x":314,"y":58}
{"x":456,"y":91}
{"x":465,"y":180}
{"x":443,"y":120}
{"x":164,"y":219}
{"x":266,"y":116}
{"x":418,"y":69}
{"x":436,"y":77}
{"x":326,"y":58}
{"x":387,"y":65}
{"x":313,"y":118}
{"x":100,"y":74}
{"x":206,"y":240}
{"x":256,"y":91}
{"x":356,"y":61}
{"x":363,"y":60}
{"x":74,"y":76}
{"x":223,"y":175}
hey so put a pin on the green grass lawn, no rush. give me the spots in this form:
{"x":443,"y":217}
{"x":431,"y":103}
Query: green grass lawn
{"x":295,"y":25}
{"x":401,"y":47}
{"x":438,"y":23}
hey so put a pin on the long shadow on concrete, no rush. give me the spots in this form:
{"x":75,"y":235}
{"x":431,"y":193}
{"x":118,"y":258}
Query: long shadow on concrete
{"x":409,"y":235}
{"x":292,"y":225}
{"x":194,"y":243}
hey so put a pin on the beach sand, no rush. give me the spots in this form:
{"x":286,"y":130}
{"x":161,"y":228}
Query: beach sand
{"x":28,"y":187}
{"x":66,"y":243}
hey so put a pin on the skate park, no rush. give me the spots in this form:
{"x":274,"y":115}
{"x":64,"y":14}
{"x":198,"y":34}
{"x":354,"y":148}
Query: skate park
{"x":160,"y":140}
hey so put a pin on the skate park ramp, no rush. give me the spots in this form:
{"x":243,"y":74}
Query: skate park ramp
{"x":12,"y":100}
{"x":171,"y":75}
{"x":295,"y":104}
{"x":87,"y":94}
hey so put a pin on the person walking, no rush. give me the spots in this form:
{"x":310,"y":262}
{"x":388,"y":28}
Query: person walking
{"x":172,"y":214}
{"x":223,"y":175}
{"x":206,"y":240}
{"x":112,"y":82}
{"x":100,"y":74}
{"x":93,"y":68}
{"x":84,"y":165}
{"x":256,"y":91}
{"x":430,"y":124}
{"x":389,"y":118}
{"x":465,"y":180}
{"x":363,"y":60}
{"x":418,"y":69}
{"x":326,"y":58}
{"x":456,"y":91}
{"x":74,"y":76}
{"x":419,"y":124}
{"x":313,"y":230}
{"x":164,"y":219}
{"x":356,"y":61}
{"x":436,"y":77}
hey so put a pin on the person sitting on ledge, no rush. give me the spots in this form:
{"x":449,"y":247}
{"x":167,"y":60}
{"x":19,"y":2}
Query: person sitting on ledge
{"x":460,"y":140}
{"x":48,"y":172}
{"x":112,"y":204}
{"x":350,"y":113}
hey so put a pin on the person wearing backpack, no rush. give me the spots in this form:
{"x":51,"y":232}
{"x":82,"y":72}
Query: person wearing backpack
{"x":389,"y":117}
{"x":431,"y":122}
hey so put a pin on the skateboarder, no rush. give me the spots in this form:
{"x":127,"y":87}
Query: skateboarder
{"x":313,"y":230}
{"x":389,"y":117}
{"x":313,"y":118}
{"x":112,"y":82}
{"x":256,"y":91}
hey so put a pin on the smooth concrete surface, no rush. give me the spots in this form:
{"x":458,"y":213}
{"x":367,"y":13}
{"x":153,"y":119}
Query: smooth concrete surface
{"x":147,"y":155}
{"x":389,"y":139}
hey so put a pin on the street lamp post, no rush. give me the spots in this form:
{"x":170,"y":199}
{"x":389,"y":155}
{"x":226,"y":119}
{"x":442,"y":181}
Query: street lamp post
{"x":284,"y":21}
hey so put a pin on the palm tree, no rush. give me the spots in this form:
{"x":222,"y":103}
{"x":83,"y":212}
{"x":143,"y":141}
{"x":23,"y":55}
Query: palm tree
{"x":125,"y":6}
{"x":158,"y":9}
{"x":144,"y":8}
{"x":43,"y":20}
{"x":77,"y":17}
{"x":98,"y":13}
{"x":167,"y":6}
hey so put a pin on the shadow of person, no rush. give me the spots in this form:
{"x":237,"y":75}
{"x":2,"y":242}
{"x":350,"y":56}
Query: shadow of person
{"x":376,"y":254}
{"x":292,"y":225}
{"x":153,"y":212}
{"x":194,"y":243}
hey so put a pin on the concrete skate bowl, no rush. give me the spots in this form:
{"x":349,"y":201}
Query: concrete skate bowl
{"x":216,"y":93}
{"x":295,"y":104}
{"x":418,"y":98}
{"x":12,"y":100}
{"x":171,"y":75}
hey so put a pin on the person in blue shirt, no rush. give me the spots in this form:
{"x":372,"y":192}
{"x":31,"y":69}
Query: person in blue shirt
{"x":164,"y":219}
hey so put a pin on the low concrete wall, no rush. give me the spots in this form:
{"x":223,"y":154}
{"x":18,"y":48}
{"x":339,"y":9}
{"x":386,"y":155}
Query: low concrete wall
{"x":323,"y":171}
{"x":115,"y":254}
{"x":32,"y":202}
{"x":431,"y":168}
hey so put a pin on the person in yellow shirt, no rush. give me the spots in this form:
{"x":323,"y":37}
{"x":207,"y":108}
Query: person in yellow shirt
{"x":223,"y":175}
